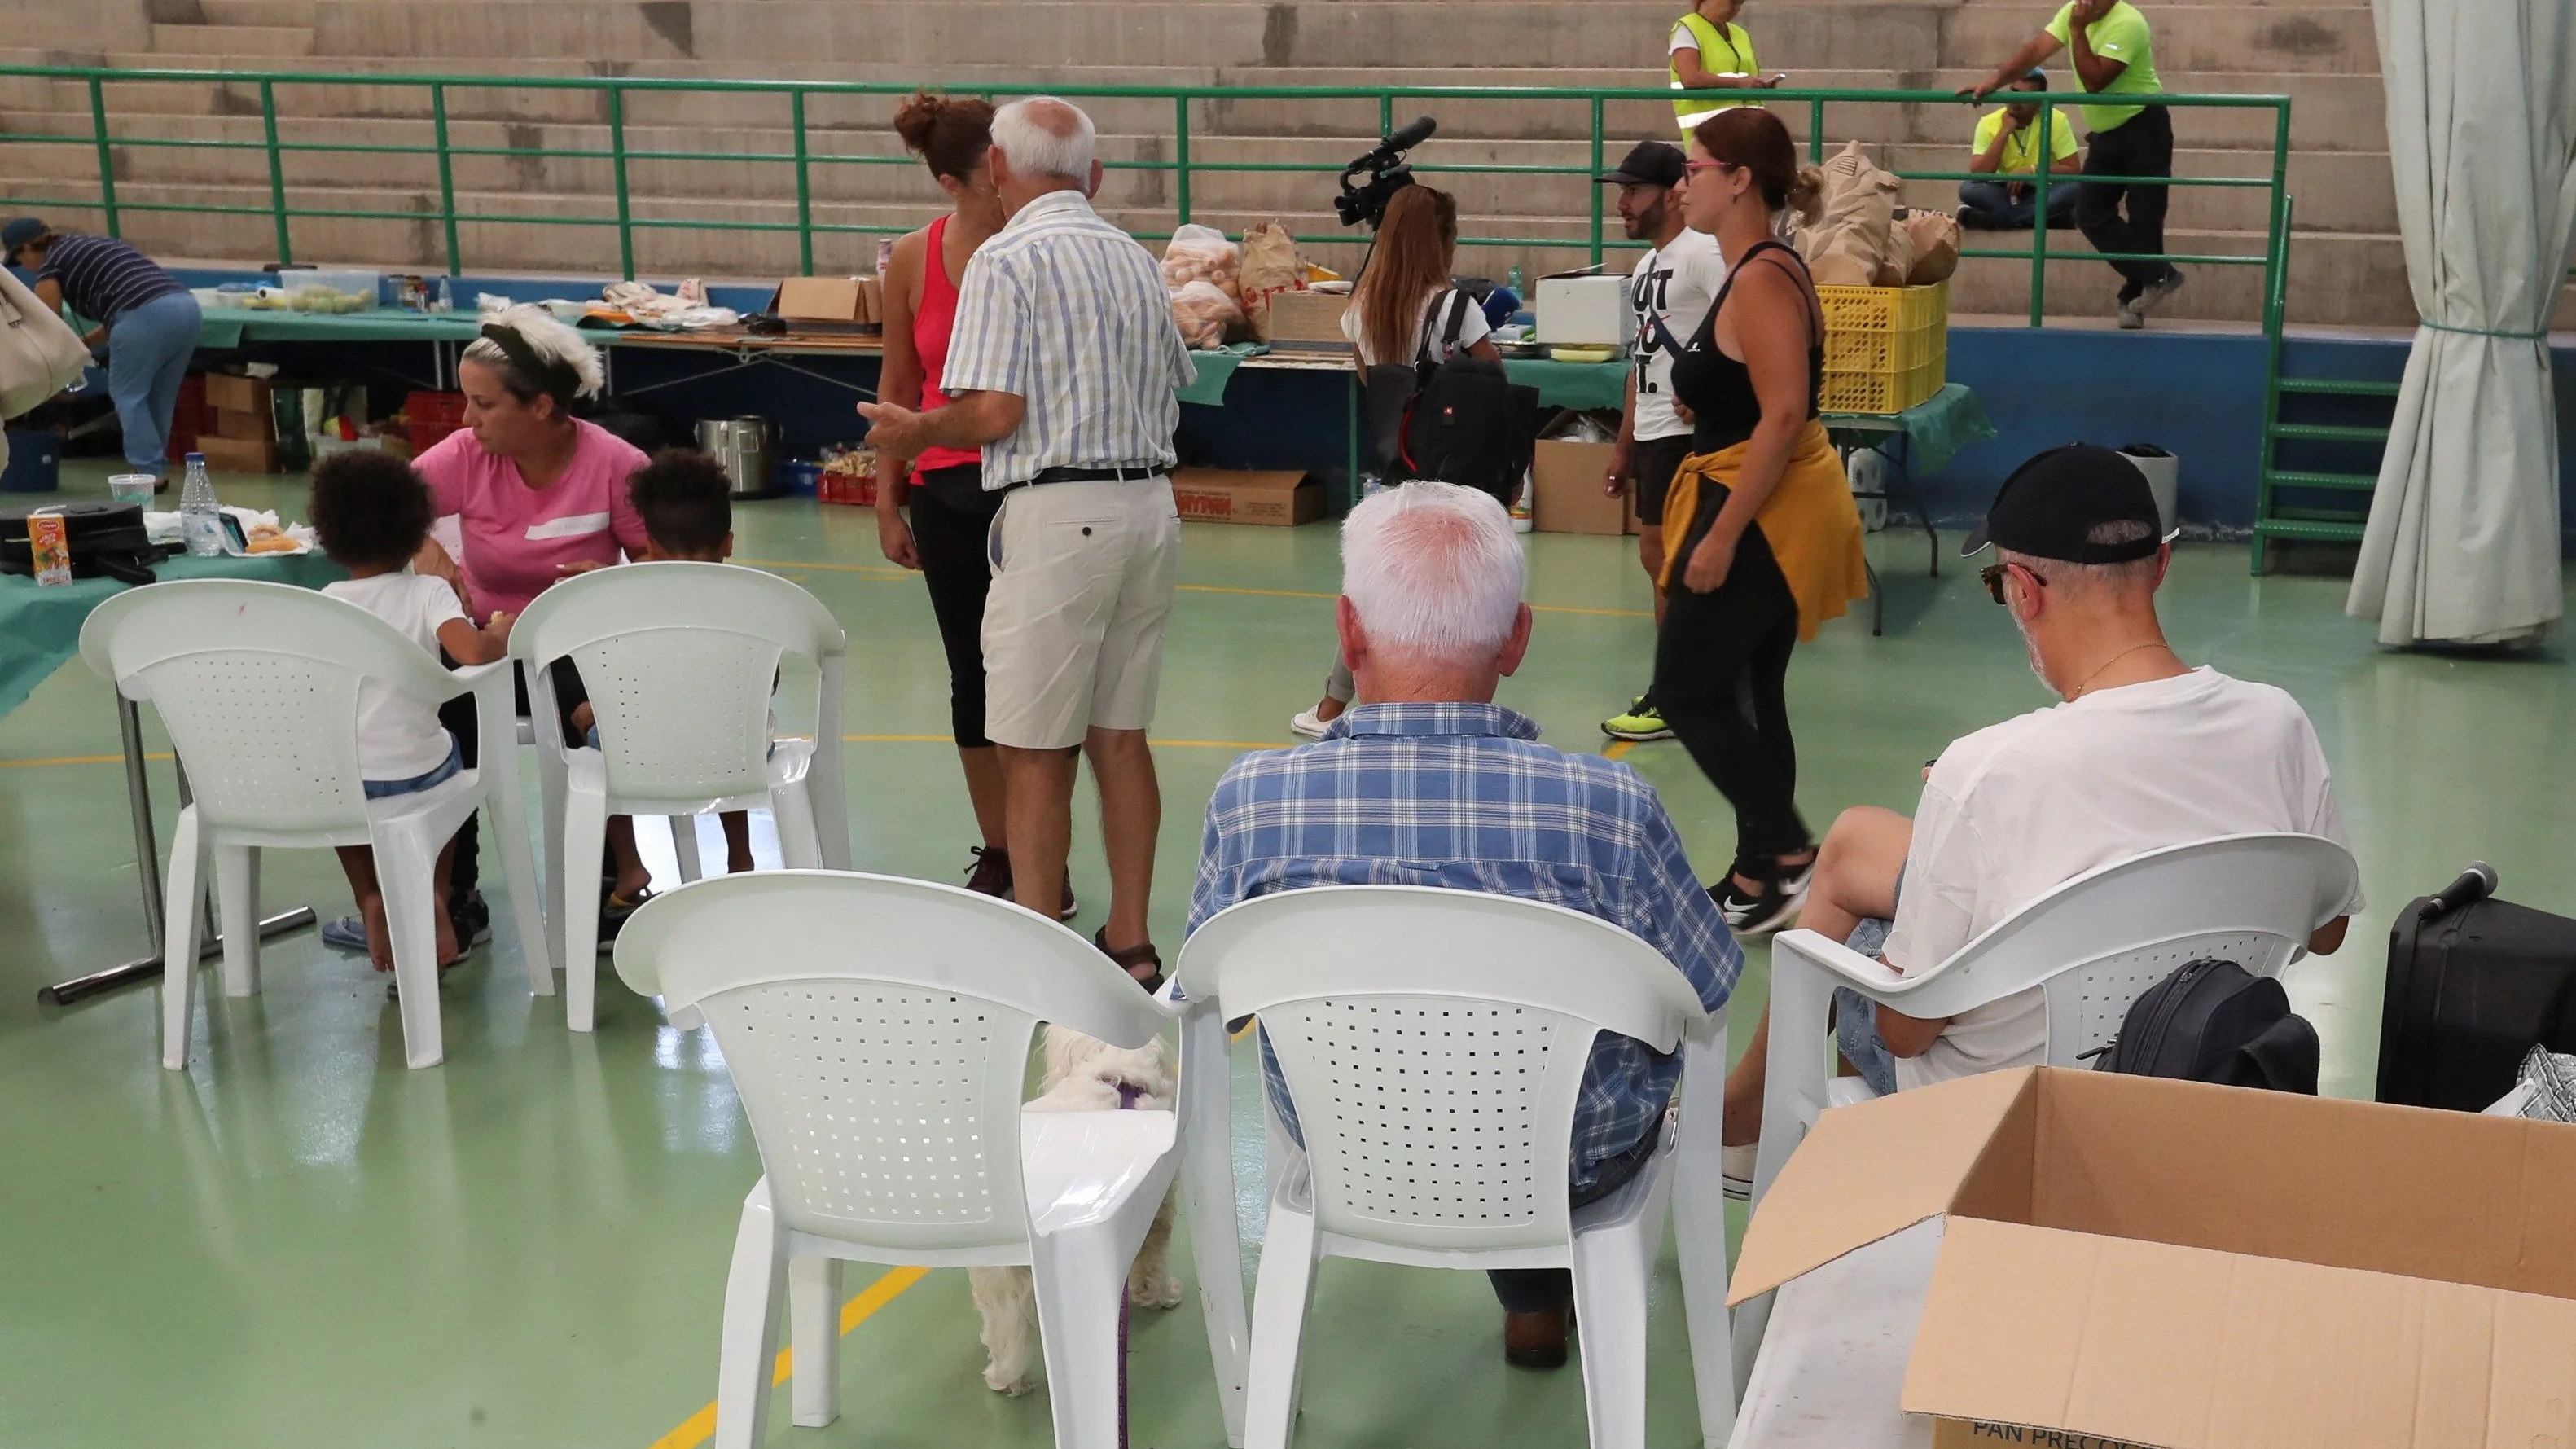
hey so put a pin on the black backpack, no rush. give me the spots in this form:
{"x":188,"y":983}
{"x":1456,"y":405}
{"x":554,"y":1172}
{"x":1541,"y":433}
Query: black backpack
{"x":1461,"y":421}
{"x":2215,"y":1021}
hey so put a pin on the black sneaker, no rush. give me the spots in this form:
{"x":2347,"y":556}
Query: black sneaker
{"x":472,"y":918}
{"x":1782,"y":892}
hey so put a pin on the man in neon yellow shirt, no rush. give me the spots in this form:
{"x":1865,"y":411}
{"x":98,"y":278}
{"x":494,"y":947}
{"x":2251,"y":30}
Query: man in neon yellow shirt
{"x":1708,"y":51}
{"x":2114,"y":55}
{"x":2007,"y":146}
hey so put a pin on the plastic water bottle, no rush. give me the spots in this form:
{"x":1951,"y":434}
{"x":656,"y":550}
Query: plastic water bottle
{"x":445,"y":299}
{"x":1371,"y":485}
{"x":201,"y":517}
{"x":1512,"y":279}
{"x":1523,"y":519}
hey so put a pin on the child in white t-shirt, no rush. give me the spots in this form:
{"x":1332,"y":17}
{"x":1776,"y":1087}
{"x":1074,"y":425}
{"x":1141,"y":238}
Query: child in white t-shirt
{"x":372,"y":511}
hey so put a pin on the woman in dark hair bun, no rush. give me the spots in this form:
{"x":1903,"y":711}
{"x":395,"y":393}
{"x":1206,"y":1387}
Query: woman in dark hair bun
{"x":943,"y":489}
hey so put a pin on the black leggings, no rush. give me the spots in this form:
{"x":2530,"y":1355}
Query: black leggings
{"x":951,"y":517}
{"x":465,"y":870}
{"x":1721,"y":672}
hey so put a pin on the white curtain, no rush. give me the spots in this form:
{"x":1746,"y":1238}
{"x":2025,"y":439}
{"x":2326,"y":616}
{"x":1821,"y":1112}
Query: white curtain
{"x":2463,"y":540}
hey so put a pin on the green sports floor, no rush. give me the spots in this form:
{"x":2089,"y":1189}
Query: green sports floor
{"x":298,"y":1242}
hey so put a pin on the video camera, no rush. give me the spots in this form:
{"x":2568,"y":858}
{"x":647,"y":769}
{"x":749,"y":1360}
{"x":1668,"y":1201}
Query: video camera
{"x":1365,"y":205}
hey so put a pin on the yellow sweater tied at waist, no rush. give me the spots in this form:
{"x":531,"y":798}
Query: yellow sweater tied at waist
{"x":1809,"y":521}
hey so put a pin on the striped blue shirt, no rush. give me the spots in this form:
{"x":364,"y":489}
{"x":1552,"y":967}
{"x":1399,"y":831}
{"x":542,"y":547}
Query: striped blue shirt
{"x":103,"y":278}
{"x":1464,"y":796}
{"x":1069,"y":314}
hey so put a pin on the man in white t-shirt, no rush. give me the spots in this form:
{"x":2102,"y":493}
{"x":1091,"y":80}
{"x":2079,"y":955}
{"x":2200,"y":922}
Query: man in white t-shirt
{"x":1670,"y":291}
{"x":2146,"y":752}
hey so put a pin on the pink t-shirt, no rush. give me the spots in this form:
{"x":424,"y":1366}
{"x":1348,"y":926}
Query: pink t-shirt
{"x":516,"y":537}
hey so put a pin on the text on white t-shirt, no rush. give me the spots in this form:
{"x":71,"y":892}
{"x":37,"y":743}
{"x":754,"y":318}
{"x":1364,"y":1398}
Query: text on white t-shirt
{"x":1675,"y":286}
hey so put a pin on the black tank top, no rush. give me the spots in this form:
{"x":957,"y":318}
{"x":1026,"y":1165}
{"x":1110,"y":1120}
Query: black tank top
{"x":1718,"y":389}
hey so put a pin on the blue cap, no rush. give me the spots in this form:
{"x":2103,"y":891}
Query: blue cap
{"x":17,"y":234}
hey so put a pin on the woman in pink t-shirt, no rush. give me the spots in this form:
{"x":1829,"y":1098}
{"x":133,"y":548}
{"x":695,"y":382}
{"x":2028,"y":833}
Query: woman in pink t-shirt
{"x":537,"y":496}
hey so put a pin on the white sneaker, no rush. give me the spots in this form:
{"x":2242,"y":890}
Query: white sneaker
{"x":2131,"y":319}
{"x":2163,"y":287}
{"x":1310,"y":724}
{"x":1736,"y":1166}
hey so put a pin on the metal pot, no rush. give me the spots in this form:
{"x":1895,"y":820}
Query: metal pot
{"x":742,"y":447}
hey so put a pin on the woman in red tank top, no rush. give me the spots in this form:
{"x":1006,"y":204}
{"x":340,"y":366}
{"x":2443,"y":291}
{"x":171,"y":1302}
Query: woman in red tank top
{"x":943,"y":489}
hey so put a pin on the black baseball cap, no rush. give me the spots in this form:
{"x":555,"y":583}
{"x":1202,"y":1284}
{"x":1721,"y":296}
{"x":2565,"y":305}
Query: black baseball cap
{"x":1649,"y":163}
{"x":2052,"y":502}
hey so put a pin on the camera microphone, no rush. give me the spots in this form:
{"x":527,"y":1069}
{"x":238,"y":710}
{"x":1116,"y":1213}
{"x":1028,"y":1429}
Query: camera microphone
{"x":1411,"y":136}
{"x":2475,"y":884}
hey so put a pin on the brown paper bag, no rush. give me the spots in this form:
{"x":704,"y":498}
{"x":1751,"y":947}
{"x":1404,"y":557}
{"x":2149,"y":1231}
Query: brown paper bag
{"x":1936,"y":248}
{"x":1848,"y":245}
{"x":1270,"y":266}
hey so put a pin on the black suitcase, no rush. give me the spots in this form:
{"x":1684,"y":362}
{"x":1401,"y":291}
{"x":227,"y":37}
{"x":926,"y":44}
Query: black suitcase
{"x":105,"y":538}
{"x":2471,"y":989}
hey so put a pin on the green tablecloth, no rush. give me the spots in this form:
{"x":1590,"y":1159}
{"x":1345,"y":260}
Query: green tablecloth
{"x":1934,"y":429}
{"x":40,"y":628}
{"x":232,"y":326}
{"x":1578,"y":385}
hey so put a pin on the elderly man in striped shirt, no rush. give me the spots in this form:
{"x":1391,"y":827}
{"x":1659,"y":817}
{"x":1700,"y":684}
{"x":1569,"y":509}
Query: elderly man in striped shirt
{"x":1064,"y":366}
{"x":1428,"y":782}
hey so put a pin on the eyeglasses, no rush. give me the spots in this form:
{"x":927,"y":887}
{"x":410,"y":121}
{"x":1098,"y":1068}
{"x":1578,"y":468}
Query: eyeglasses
{"x":1994,"y":574}
{"x":1691,"y":166}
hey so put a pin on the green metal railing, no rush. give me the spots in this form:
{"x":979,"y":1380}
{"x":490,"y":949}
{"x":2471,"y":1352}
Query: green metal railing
{"x":104,"y":135}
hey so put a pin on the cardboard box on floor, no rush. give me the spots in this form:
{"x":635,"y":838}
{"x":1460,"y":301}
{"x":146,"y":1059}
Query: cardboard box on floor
{"x":1221,"y":495}
{"x":2130,"y":1260}
{"x":1566,"y":479}
{"x":238,"y":455}
{"x":236,"y":394}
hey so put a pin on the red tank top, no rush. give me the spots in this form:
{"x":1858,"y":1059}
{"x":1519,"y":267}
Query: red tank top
{"x":931,"y":323}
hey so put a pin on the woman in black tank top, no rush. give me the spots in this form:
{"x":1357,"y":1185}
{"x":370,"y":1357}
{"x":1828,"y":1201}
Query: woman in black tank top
{"x":1749,"y":376}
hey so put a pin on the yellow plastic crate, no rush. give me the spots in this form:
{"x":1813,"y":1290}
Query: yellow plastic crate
{"x":1884,"y":329}
{"x":1890,"y":391}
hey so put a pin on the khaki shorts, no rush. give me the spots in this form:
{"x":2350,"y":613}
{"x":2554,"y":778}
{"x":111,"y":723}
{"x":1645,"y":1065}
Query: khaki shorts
{"x":1073,"y":628}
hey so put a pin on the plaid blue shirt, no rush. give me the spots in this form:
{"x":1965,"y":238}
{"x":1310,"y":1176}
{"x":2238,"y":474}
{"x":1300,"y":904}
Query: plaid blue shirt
{"x":1464,"y":796}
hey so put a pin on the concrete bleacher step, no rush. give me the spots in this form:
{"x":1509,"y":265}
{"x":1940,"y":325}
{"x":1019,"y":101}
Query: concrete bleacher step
{"x":266,"y":42}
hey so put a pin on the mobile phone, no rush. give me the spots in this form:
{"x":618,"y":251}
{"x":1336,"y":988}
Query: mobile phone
{"x":235,"y":541}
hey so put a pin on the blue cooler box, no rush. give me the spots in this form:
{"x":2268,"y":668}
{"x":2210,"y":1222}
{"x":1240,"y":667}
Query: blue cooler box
{"x":35,"y":462}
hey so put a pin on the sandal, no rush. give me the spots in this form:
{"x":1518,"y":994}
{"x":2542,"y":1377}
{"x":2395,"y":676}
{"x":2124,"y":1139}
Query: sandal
{"x":613,"y":913}
{"x":1131,"y":958}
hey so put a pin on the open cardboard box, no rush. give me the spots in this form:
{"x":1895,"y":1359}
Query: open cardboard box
{"x":1280,"y":499}
{"x":830,"y":304}
{"x":2169,"y":1264}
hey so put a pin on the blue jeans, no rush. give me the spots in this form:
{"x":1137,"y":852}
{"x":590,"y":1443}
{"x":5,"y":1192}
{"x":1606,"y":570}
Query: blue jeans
{"x":2007,"y":214}
{"x":380,"y":789}
{"x":147,"y":358}
{"x":1856,"y":1016}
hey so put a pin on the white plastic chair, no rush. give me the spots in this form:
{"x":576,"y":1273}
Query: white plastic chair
{"x":878,"y":1034}
{"x":258,"y":685}
{"x":680,"y":660}
{"x":1435,"y":1042}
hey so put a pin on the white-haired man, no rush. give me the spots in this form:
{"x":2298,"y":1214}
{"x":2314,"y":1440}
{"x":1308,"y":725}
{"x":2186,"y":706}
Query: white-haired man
{"x":1429,"y":782}
{"x":2145,"y":752}
{"x":1064,"y":367}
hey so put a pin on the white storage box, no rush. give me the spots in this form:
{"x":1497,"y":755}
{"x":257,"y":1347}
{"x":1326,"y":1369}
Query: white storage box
{"x":1585,"y":310}
{"x":329,"y":289}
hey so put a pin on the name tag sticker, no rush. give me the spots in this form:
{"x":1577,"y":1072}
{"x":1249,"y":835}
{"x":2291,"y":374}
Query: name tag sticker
{"x":571,"y":525}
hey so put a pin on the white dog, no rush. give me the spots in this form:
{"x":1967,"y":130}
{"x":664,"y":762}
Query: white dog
{"x":1083,"y":1074}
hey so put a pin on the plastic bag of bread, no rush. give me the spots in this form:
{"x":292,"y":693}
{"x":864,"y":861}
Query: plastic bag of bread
{"x":1847,"y":245}
{"x":1936,"y":247}
{"x":1201,"y":254}
{"x":1270,"y":266}
{"x":1203,"y":312}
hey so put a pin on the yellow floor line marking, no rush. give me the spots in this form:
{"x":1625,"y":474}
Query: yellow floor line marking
{"x":75,"y":760}
{"x":1619,"y":750}
{"x":889,"y":571}
{"x":699,"y":1427}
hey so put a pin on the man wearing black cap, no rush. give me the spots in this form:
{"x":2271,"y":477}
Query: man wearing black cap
{"x":2144,"y":752}
{"x":1670,"y":290}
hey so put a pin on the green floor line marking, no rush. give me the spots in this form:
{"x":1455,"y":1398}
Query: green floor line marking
{"x":699,"y":1427}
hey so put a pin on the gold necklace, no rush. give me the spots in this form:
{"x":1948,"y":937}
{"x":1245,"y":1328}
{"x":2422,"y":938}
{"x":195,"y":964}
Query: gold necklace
{"x":2106,"y":665}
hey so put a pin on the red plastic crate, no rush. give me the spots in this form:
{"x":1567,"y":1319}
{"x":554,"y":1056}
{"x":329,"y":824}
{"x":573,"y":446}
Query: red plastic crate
{"x":432,"y":416}
{"x":189,"y":419}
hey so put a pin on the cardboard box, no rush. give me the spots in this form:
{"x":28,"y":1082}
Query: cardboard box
{"x":1568,"y":489}
{"x":1308,"y":322}
{"x":236,"y":394}
{"x":242,"y":427}
{"x":829,"y":304}
{"x":2174,"y":1264}
{"x":238,"y":455}
{"x":1218,"y":495}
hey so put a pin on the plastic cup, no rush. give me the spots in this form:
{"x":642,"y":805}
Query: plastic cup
{"x":131,"y":487}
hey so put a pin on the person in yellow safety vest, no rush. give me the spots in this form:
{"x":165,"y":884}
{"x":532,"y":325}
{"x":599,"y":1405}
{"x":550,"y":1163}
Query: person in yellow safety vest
{"x":1710,"y":52}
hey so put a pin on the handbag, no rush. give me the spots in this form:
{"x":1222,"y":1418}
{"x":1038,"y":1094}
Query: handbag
{"x":40,"y":354}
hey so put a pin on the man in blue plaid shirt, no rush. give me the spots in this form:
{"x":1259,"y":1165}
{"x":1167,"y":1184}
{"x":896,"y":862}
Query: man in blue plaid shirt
{"x":1430,"y":783}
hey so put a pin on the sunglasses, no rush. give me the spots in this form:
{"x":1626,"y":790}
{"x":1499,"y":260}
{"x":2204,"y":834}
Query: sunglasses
{"x":1994,"y":574}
